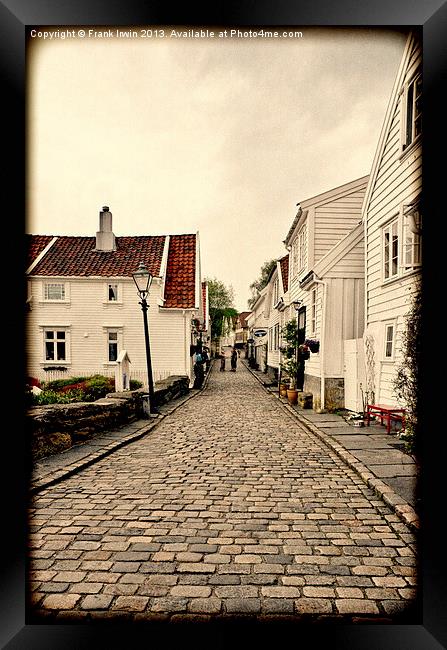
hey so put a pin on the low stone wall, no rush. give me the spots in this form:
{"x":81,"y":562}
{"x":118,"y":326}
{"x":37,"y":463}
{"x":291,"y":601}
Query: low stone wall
{"x":56,"y":427}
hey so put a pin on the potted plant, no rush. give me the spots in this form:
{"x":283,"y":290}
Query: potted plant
{"x":283,"y":385}
{"x":291,"y":367}
{"x":303,"y":352}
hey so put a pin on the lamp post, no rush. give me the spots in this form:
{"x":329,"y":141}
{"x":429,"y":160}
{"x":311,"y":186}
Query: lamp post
{"x":297,"y":304}
{"x":143,"y":281}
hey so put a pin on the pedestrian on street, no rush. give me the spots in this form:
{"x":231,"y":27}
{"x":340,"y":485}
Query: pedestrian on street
{"x":233,"y":360}
{"x":222,"y":360}
{"x":199,"y":372}
{"x":206,"y":358}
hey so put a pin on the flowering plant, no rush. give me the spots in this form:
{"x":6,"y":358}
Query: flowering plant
{"x":312,"y":344}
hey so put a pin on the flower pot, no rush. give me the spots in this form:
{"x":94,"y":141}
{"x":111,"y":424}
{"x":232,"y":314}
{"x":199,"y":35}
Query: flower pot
{"x":292,"y":395}
{"x":283,"y":390}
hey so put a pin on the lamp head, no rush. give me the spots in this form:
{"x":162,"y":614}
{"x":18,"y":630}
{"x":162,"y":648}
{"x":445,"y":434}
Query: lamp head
{"x":143,"y":280}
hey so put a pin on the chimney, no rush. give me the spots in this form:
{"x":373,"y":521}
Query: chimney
{"x":105,"y":239}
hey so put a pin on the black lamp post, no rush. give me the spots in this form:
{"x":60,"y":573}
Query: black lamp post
{"x":143,"y":281}
{"x":297,"y":304}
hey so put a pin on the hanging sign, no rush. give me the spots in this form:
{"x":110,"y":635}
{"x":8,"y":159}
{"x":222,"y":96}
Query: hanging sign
{"x":260,"y":333}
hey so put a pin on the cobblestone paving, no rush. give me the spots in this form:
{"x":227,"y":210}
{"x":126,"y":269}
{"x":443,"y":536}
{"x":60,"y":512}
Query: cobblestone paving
{"x":228,"y":508}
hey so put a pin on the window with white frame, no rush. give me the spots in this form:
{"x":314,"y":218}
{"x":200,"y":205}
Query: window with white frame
{"x":112,"y":345}
{"x":54,"y":291}
{"x":276,"y":337}
{"x":412,"y":227}
{"x":412,"y":111}
{"x":55,"y":345}
{"x":113,"y":342}
{"x":275,"y":291}
{"x":299,"y":250}
{"x":389,"y":341}
{"x":313,"y":311}
{"x":112,"y":292}
{"x":390,"y":247}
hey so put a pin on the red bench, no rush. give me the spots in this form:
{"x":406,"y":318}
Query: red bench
{"x":386,"y":413}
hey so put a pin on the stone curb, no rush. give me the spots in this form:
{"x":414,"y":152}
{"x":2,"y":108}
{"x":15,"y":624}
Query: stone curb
{"x":73,"y":468}
{"x":402,"y":509}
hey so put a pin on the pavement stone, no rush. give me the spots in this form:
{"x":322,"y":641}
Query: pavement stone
{"x":231,"y":504}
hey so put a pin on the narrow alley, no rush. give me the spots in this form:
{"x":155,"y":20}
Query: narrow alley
{"x":228,"y":507}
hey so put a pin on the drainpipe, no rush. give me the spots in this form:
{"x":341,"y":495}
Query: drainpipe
{"x":322,"y":343}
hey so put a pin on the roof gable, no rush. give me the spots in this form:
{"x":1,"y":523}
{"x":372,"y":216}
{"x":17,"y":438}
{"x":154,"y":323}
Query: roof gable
{"x":339,"y":251}
{"x":400,"y":77}
{"x":180,"y":285}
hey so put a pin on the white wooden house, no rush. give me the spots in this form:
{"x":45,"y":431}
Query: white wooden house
{"x":83,"y":306}
{"x":392,"y":223}
{"x":241,"y":331}
{"x":326,"y":275}
{"x":257,"y":322}
{"x":278,"y":312}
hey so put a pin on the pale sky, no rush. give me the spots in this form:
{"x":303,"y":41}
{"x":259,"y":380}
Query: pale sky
{"x":222,"y":136}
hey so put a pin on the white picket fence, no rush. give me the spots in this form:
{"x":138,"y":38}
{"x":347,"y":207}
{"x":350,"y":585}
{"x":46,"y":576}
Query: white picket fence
{"x":139,"y":375}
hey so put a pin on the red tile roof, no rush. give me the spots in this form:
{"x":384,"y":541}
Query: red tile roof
{"x":35,"y":245}
{"x":76,"y":256}
{"x":180,"y":284}
{"x":284,"y":264}
{"x":243,"y":318}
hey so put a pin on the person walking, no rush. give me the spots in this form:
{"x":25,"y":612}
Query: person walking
{"x":233,"y":359}
{"x":222,"y":360}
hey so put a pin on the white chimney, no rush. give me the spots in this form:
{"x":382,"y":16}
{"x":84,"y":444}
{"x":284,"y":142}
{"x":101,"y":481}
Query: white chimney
{"x":105,"y":239}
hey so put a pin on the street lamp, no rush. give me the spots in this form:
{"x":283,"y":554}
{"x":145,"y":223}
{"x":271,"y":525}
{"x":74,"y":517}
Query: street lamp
{"x":297,"y":304}
{"x":143,"y":281}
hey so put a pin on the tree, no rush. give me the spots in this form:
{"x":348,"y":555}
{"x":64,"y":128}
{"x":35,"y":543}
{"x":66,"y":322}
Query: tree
{"x":257,"y":286}
{"x":221,"y":307}
{"x":407,"y":380}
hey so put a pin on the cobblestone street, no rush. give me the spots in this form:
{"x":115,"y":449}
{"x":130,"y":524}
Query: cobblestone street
{"x":229,"y":507}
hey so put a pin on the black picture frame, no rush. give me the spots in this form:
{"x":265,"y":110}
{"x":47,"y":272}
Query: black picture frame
{"x":15,"y":17}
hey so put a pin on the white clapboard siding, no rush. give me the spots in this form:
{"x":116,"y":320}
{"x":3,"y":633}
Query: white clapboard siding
{"x":88,"y":317}
{"x":396,"y":180}
{"x":334,"y":220}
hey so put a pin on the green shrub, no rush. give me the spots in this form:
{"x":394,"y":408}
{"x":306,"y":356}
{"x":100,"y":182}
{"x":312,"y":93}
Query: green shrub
{"x":50,"y":397}
{"x":75,"y":389}
{"x":58,"y":384}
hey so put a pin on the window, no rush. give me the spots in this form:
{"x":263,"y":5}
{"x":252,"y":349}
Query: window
{"x":112,"y":346}
{"x":391,"y":250}
{"x":313,"y":311}
{"x":55,"y":345}
{"x":412,"y":228}
{"x":276,"y":337}
{"x":275,"y":291}
{"x":54,"y":291}
{"x":299,"y":250}
{"x":413,"y":107}
{"x":112,"y":292}
{"x":389,"y":341}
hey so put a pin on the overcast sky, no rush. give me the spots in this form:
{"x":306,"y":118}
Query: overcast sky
{"x":221,"y":136}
